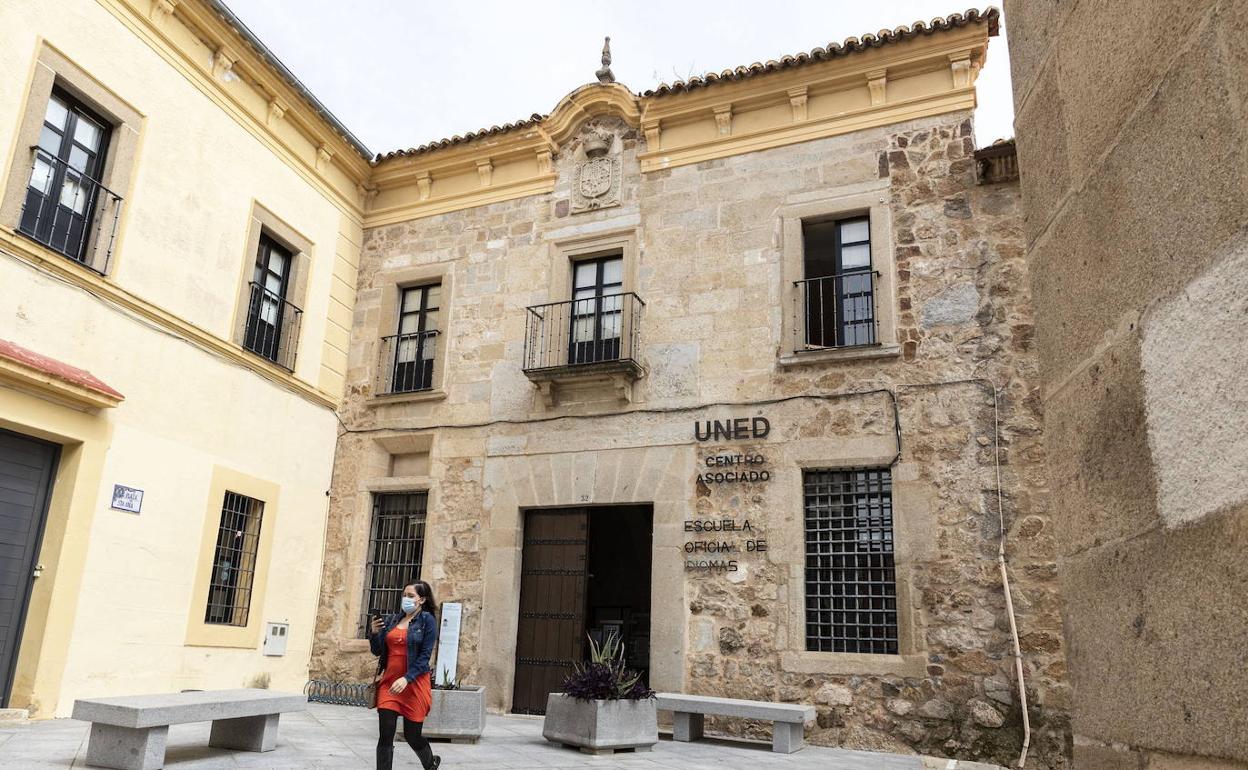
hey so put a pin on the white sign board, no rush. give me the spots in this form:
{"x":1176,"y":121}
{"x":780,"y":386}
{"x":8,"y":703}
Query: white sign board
{"x":127,"y":498}
{"x":448,"y":642}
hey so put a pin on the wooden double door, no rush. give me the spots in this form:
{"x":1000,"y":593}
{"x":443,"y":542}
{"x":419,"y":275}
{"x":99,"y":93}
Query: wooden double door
{"x":553,"y":586}
{"x":585,"y":574}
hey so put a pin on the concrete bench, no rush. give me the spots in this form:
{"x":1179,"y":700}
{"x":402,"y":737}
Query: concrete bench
{"x":788,"y":719}
{"x":130,"y":732}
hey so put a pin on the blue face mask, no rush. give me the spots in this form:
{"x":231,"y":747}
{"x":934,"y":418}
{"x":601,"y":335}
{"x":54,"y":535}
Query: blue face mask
{"x":408,"y":604}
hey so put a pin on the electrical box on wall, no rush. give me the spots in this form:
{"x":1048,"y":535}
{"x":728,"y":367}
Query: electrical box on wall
{"x":275,"y":635}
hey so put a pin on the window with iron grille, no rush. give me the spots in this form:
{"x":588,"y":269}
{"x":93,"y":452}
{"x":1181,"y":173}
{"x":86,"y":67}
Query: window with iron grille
{"x":851,"y":579}
{"x":415,"y":344}
{"x":597,"y":310}
{"x":64,"y":190}
{"x":272,"y":321}
{"x":234,"y":560}
{"x":837,"y":292}
{"x":395,"y":545}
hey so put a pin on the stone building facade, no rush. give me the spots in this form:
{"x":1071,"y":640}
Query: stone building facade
{"x":608,"y":315}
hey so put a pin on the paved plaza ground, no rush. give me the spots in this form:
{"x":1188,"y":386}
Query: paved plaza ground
{"x":344,"y":737}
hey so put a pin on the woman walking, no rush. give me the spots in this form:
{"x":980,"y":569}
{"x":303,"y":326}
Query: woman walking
{"x":403,"y":644}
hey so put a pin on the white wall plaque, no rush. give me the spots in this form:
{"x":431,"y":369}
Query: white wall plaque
{"x":127,"y":498}
{"x":448,"y":642}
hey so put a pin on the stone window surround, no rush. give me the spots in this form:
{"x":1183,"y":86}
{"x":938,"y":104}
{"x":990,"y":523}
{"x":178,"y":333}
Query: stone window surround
{"x":871,"y":198}
{"x":52,"y":68}
{"x":375,"y":481}
{"x":262,"y":221}
{"x":564,"y":254}
{"x":392,"y":283}
{"x":912,"y":659}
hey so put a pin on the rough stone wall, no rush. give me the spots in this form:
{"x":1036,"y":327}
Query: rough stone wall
{"x":964,"y":312}
{"x":709,"y":269}
{"x":1131,"y":141}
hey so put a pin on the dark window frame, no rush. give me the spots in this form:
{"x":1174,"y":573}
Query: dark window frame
{"x":827,"y":298}
{"x":851,"y":571}
{"x":415,"y":374}
{"x":234,"y":557}
{"x":595,"y":306}
{"x":269,"y":338}
{"x":75,"y":240}
{"x":395,"y":556}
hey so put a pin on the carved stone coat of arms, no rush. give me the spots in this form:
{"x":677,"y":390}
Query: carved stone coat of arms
{"x":597,"y":182}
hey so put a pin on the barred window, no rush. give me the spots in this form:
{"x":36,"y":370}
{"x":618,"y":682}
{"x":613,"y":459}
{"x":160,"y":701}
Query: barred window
{"x":234,"y":560}
{"x":851,"y":581}
{"x":395,"y":545}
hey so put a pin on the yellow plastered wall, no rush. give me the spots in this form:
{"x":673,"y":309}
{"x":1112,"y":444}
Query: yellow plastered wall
{"x":110,"y":614}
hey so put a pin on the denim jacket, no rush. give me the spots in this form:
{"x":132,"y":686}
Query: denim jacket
{"x":422,"y":631}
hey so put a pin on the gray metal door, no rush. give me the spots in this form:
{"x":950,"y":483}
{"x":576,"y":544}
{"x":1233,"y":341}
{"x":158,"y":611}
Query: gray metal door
{"x":26,"y":468}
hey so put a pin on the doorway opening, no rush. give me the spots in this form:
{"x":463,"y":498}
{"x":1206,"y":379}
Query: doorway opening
{"x":585,"y":574}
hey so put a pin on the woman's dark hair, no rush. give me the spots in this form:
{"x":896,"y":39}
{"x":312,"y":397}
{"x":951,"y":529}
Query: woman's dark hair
{"x":425,"y":591}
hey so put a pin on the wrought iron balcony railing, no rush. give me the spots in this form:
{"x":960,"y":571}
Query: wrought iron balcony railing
{"x":582,"y":333}
{"x":405,"y":363}
{"x":272,"y":326}
{"x":836,"y":311}
{"x":69,"y":212}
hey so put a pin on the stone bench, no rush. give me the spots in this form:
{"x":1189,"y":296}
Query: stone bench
{"x":130,"y":732}
{"x":788,"y":719}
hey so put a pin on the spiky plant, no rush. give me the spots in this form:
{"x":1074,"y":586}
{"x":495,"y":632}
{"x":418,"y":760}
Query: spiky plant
{"x":605,"y":676}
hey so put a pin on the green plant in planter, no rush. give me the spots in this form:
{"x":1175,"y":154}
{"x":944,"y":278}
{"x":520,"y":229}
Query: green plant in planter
{"x":605,"y":677}
{"x":447,"y":683}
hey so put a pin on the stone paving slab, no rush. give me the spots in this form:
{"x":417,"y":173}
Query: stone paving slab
{"x":325,"y":737}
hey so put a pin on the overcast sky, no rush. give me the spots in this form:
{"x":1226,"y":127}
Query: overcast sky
{"x":401,"y":73}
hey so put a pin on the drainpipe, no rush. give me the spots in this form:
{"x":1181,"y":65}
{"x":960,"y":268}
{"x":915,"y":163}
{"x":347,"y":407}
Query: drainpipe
{"x":1005,"y":577}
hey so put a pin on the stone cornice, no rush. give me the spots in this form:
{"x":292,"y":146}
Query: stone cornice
{"x":22,"y":376}
{"x":461,"y":157}
{"x":215,"y":58}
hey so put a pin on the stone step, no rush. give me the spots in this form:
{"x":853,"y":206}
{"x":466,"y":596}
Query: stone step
{"x":14,"y":715}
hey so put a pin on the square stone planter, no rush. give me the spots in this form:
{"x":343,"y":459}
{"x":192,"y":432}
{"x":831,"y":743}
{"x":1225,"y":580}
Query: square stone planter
{"x":457,"y":715}
{"x":601,"y":726}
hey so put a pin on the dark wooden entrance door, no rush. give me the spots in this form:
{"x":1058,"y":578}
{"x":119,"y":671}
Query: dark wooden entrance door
{"x":551,"y":637}
{"x":26,"y":468}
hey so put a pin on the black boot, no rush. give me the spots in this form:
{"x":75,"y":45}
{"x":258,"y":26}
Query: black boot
{"x":428,"y":759}
{"x":385,"y":757}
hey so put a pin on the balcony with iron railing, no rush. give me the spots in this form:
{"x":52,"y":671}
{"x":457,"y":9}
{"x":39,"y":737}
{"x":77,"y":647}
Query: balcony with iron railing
{"x":69,"y":212}
{"x":272,"y":329}
{"x":836,"y":311}
{"x":584,"y":340}
{"x":406,"y":362}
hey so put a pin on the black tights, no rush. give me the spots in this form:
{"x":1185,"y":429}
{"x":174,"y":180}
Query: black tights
{"x":387,"y":722}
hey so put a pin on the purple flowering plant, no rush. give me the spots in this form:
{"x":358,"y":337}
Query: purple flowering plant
{"x":605,"y":676}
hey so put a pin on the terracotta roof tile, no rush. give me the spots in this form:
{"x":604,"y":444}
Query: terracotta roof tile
{"x":990,"y":16}
{"x":480,"y":133}
{"x":57,"y":369}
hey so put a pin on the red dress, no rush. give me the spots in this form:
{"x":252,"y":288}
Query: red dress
{"x":413,"y":703}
